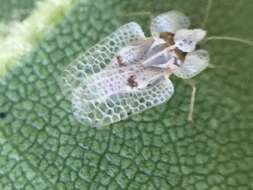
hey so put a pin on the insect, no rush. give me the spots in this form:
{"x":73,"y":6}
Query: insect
{"x":128,"y":73}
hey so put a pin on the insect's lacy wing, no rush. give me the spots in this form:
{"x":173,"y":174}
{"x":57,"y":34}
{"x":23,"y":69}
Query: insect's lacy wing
{"x":138,"y":53}
{"x":105,"y":83}
{"x":104,"y":111}
{"x":99,"y":56}
{"x":169,"y":22}
{"x":132,"y":54}
{"x":194,"y":63}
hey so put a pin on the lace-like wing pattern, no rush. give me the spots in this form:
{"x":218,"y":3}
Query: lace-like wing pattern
{"x":113,"y":107}
{"x":99,"y":56}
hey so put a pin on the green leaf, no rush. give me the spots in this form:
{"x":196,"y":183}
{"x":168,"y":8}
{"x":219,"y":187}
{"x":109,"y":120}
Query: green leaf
{"x":42,"y":146}
{"x":15,"y":10}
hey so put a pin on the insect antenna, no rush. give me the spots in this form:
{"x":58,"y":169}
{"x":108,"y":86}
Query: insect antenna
{"x":229,"y":38}
{"x":208,"y":9}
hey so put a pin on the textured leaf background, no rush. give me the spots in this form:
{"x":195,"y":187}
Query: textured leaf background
{"x":43,"y":147}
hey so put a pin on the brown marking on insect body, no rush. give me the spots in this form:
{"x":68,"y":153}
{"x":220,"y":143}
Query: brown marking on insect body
{"x":168,"y":37}
{"x":119,"y":60}
{"x":180,"y":54}
{"x":131,"y":81}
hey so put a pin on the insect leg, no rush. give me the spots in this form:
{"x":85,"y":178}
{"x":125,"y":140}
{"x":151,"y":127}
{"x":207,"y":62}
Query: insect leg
{"x":137,"y":13}
{"x":192,"y":101}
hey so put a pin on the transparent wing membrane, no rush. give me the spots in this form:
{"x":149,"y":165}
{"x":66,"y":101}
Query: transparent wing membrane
{"x":138,"y":54}
{"x":99,"y":56}
{"x":132,"y":54}
{"x":117,"y":80}
{"x":169,"y":22}
{"x":119,"y":106}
